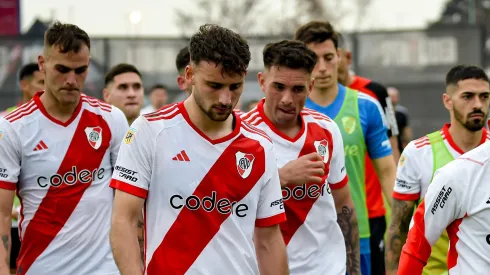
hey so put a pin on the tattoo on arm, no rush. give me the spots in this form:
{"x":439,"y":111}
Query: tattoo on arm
{"x":6,"y":245}
{"x":347,"y":220}
{"x":141,"y":238}
{"x":401,"y":215}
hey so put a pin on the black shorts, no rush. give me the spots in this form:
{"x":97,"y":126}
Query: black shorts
{"x":377,"y":244}
{"x":15,"y":248}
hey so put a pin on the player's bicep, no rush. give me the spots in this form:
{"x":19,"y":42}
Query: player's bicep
{"x":10,"y":156}
{"x":270,"y":208}
{"x":378,"y":144}
{"x":132,"y":172}
{"x":126,"y":207}
{"x":408,"y":175}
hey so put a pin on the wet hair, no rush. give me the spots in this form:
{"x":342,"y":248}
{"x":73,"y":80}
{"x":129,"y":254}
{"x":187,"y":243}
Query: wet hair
{"x":183,"y":59}
{"x":463,"y":72}
{"x":28,"y":70}
{"x":317,"y":32}
{"x":219,"y":45}
{"x":290,"y":54}
{"x":120,"y":69}
{"x":68,"y":37}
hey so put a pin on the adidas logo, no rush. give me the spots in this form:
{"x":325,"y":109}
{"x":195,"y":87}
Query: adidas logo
{"x":488,"y":202}
{"x":182,"y":156}
{"x":41,"y":146}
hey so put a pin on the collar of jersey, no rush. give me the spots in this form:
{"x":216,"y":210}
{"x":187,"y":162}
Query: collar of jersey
{"x":37,"y":100}
{"x":449,"y":138}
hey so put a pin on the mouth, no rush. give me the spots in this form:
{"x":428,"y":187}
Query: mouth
{"x":221,"y":109}
{"x":131,"y":104}
{"x":476,"y":116}
{"x":288,"y":111}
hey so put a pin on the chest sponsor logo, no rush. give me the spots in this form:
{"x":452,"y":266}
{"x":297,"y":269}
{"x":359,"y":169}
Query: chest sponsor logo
{"x":441,"y":199}
{"x":209,"y":203}
{"x":128,"y":139}
{"x":352,"y":150}
{"x":311,"y":191}
{"x":71,"y":177}
{"x":244,"y":164}
{"x":322,"y":149}
{"x":349,"y":124}
{"x":94,"y":136}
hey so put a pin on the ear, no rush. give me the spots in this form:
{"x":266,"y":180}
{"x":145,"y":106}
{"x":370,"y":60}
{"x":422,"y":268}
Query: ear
{"x":448,"y":103}
{"x":261,"y":79}
{"x":181,"y":82}
{"x":41,"y":63}
{"x":338,"y":55}
{"x":189,"y":74}
{"x":106,"y":95}
{"x":348,"y":57}
{"x":310,"y":87}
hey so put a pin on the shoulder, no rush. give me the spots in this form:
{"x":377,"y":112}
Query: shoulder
{"x":378,"y":89}
{"x":368,"y":101}
{"x":252,"y":132}
{"x":95,"y":105}
{"x":157,"y":121}
{"x":24,"y":111}
{"x":476,"y":158}
{"x":418,"y":146}
{"x":312,"y":116}
{"x":253,"y":117}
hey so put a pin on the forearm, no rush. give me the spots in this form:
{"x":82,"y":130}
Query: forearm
{"x":124,"y":243}
{"x":141,"y":237}
{"x":394,"y":148}
{"x":397,"y":233}
{"x":5,"y":227}
{"x":347,"y":220}
{"x":272,"y":256}
{"x":386,"y":172}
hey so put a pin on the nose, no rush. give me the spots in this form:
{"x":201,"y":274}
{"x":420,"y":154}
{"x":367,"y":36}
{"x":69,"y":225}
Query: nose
{"x":287,"y":98}
{"x":71,"y":78}
{"x":322,"y":65}
{"x":132,"y":92}
{"x":478,"y":103}
{"x":225,"y":96}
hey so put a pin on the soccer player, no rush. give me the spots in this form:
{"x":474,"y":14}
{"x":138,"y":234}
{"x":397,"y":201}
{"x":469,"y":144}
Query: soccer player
{"x":457,"y":201}
{"x":467,"y":100}
{"x":58,"y":152}
{"x":402,"y":119}
{"x":158,"y":99}
{"x":374,"y":195}
{"x":361,"y":122}
{"x":31,"y":81}
{"x":124,"y":89}
{"x":181,"y":62}
{"x":210,"y":181}
{"x":311,"y":162}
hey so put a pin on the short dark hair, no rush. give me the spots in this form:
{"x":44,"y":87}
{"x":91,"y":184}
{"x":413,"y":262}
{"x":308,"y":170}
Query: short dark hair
{"x":68,"y":37}
{"x":183,"y":59}
{"x":28,"y":70}
{"x":120,"y":69}
{"x":219,"y":45}
{"x":317,"y":32}
{"x":158,"y":86}
{"x":463,"y":72}
{"x":291,"y":54}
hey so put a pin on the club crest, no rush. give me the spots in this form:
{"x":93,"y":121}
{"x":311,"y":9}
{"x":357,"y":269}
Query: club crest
{"x":322,"y":149}
{"x":244,"y":164}
{"x":94,"y":136}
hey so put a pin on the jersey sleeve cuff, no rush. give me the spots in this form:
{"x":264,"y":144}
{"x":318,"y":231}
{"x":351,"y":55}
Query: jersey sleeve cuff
{"x":406,"y":197}
{"x":409,"y":264}
{"x":8,"y":185}
{"x":340,"y":184}
{"x":128,"y":188}
{"x":270,"y":221}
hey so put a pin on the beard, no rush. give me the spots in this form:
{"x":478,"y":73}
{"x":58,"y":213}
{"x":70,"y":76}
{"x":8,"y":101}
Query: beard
{"x":472,"y":125}
{"x":211,"y":112}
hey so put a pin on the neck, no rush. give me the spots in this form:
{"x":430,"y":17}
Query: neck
{"x":131,"y":120}
{"x":290,"y":129}
{"x":56,"y":109}
{"x":25,"y":98}
{"x":349,"y":79}
{"x":324,"y":97}
{"x":212,"y":129}
{"x":464,"y":139}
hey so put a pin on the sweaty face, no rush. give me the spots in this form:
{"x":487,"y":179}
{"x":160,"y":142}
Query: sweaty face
{"x":325,"y":72}
{"x":285,"y":91}
{"x":126,"y":93}
{"x":65,"y":73}
{"x":470,"y":103}
{"x":35,"y":83}
{"x":158,"y":98}
{"x":215,"y":92}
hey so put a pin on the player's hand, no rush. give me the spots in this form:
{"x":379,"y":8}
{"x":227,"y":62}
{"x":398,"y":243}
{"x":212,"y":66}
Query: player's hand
{"x":308,"y":168}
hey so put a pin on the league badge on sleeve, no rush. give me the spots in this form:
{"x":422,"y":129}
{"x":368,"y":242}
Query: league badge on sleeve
{"x":244,"y":163}
{"x":1,"y":134}
{"x":94,"y":136}
{"x":322,"y":149}
{"x":128,"y":139}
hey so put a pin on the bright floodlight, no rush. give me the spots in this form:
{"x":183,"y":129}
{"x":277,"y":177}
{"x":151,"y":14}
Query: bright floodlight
{"x":135,"y":17}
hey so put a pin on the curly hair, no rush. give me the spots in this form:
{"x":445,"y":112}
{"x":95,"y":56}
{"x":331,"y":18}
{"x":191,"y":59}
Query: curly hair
{"x":317,"y":32}
{"x":219,"y":45}
{"x":291,"y":54}
{"x":68,"y":37}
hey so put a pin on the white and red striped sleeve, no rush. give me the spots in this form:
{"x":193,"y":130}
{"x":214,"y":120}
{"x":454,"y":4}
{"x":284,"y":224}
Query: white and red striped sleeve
{"x":270,"y":209}
{"x":132,"y":172}
{"x":408,"y":183}
{"x":10,"y":156}
{"x":441,"y":208}
{"x":337,"y":177}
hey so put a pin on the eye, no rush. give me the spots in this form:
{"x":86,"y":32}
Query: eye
{"x":62,"y":69}
{"x":234,"y":87}
{"x":81,"y":70}
{"x":215,"y":86}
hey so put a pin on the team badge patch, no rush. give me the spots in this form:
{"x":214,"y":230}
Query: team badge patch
{"x":322,"y":149}
{"x":94,"y":136}
{"x":244,"y":163}
{"x":402,"y":160}
{"x":128,"y":139}
{"x":1,"y":134}
{"x":349,"y":124}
